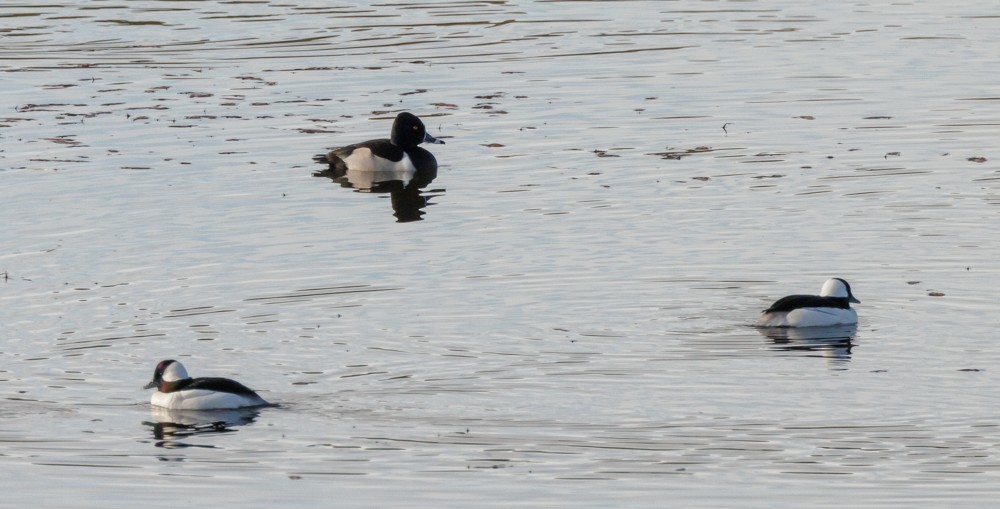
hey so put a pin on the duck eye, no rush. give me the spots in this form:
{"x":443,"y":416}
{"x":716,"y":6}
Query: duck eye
{"x":414,"y":128}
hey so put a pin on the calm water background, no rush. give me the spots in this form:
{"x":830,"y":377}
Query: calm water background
{"x":625,"y":185}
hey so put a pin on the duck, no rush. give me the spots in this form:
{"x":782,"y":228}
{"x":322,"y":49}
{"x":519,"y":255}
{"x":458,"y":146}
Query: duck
{"x":397,"y":155}
{"x":831,"y":307}
{"x":175,"y":390}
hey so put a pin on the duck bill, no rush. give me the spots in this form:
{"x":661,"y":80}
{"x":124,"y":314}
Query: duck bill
{"x":854,"y":300}
{"x":430,"y":139}
{"x":150,"y":385}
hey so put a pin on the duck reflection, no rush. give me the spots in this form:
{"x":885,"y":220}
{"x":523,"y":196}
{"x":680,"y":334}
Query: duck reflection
{"x":171,"y":426}
{"x":834,"y":342}
{"x":404,"y":187}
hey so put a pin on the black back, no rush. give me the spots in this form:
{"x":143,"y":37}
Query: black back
{"x":212,"y":384}
{"x":793,"y":302}
{"x":382,"y":148}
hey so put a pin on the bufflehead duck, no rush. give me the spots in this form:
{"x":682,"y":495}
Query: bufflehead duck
{"x":831,"y":307}
{"x":178,"y":391}
{"x":399,"y":153}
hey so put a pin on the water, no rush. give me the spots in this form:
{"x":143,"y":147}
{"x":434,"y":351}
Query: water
{"x":561,"y":317}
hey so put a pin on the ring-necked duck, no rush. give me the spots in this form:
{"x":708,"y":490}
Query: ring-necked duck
{"x":399,"y":153}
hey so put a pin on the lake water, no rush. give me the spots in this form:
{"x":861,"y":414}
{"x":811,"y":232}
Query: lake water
{"x":561,"y":318}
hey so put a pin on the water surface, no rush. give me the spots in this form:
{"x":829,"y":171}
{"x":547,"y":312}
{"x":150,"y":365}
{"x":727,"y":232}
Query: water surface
{"x":562,"y":316}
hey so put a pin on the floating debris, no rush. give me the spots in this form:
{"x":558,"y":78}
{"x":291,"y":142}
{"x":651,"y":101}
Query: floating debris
{"x":65,"y":139}
{"x":678,"y":154}
{"x":304,"y":130}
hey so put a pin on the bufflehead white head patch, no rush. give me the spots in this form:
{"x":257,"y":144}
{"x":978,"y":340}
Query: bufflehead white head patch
{"x":837,"y":287}
{"x":167,"y":371}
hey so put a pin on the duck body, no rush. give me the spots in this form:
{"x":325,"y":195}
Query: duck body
{"x":175,"y":390}
{"x":831,"y":307}
{"x":398,"y":155}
